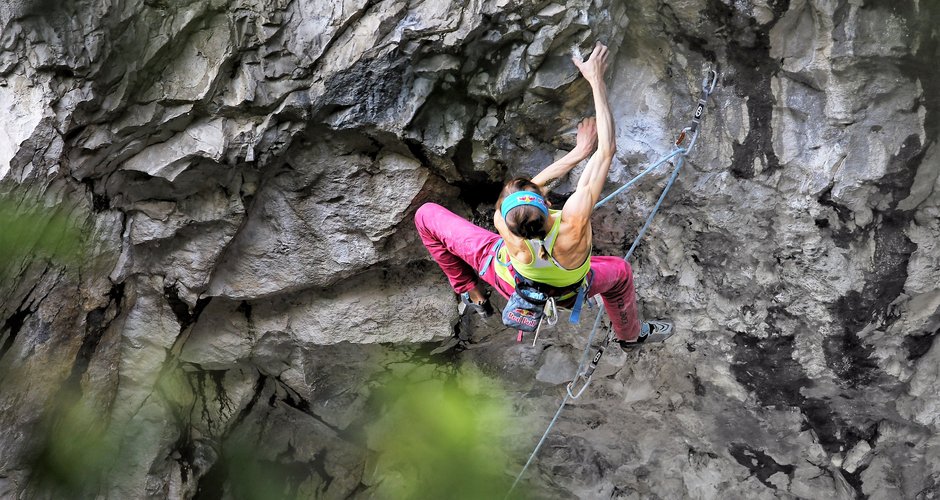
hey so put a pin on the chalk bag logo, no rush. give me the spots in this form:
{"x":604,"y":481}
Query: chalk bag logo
{"x":523,"y":317}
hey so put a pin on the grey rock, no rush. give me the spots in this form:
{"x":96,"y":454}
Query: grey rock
{"x":557,"y":368}
{"x":858,"y":456}
{"x":247,"y":173}
{"x":329,"y":231}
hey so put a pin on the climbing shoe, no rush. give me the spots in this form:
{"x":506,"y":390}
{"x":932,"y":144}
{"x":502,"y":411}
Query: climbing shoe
{"x":484,"y":309}
{"x":651,"y":332}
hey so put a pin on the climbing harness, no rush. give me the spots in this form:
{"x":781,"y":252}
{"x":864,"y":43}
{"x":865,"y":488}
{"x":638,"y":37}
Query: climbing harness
{"x":532,"y":302}
{"x":583,"y":375}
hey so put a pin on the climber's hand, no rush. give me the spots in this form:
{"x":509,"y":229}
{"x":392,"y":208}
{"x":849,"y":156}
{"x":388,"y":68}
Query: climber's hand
{"x":593,"y":69}
{"x":587,"y":137}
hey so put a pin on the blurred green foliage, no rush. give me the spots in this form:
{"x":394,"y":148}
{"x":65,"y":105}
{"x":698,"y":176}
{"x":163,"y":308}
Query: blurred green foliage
{"x":78,"y":446}
{"x":76,"y":439}
{"x":86,"y":448}
{"x":30,"y":229}
{"x":441,"y":437}
{"x":437,"y":431}
{"x":247,"y":477}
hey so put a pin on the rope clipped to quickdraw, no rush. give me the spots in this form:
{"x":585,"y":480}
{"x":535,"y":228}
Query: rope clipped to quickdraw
{"x":584,"y":373}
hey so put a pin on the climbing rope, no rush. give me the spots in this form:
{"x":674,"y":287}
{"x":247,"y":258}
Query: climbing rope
{"x":586,"y":373}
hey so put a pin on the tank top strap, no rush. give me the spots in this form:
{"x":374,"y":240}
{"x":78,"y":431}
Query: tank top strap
{"x":548,"y":244}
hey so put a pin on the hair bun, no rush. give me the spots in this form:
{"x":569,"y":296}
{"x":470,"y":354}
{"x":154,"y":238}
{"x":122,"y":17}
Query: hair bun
{"x":533,"y":229}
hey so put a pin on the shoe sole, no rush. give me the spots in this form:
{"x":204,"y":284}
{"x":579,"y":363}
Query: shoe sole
{"x":659,"y":331}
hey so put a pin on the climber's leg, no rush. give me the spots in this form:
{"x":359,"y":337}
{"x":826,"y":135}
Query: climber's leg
{"x":459,"y":247}
{"x":613,"y":280}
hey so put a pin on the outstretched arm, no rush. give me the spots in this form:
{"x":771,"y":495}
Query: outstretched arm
{"x":587,"y":138}
{"x":581,"y":204}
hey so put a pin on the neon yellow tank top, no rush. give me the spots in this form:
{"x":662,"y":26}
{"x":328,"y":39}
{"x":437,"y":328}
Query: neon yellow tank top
{"x":547,"y":271}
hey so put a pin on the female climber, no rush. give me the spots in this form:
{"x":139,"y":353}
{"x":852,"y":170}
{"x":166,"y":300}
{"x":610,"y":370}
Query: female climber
{"x":549,"y":249}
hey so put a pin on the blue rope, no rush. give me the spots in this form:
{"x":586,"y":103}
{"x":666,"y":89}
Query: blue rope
{"x":633,"y":180}
{"x":600,"y":313}
{"x":708,"y":86}
{"x":564,"y":401}
{"x":649,"y":220}
{"x":537,"y":447}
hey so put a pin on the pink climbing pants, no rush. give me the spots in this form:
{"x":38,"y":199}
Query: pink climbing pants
{"x":461,"y":249}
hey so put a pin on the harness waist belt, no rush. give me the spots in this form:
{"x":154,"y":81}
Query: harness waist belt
{"x":571,"y":296}
{"x":560,"y":293}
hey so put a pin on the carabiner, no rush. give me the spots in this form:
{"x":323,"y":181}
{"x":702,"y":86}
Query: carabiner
{"x":682,"y":136}
{"x":551,"y":312}
{"x":589,"y":371}
{"x":587,"y":381}
{"x":709,"y":82}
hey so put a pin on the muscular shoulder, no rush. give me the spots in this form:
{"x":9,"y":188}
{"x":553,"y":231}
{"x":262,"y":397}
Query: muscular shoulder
{"x":574,"y":241}
{"x":572,"y":231}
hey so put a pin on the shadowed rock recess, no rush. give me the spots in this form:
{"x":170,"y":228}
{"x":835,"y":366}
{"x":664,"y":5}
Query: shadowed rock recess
{"x":248,"y":170}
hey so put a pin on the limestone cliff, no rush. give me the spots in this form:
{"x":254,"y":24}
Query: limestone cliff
{"x":248,"y":170}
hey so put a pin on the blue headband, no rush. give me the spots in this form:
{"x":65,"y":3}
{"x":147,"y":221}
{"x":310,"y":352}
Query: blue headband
{"x":523,"y":198}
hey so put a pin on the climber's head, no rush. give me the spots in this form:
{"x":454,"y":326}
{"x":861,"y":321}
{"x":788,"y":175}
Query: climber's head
{"x":524,"y":208}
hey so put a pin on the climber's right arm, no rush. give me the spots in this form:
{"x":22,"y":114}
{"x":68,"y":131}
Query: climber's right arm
{"x":591,"y":183}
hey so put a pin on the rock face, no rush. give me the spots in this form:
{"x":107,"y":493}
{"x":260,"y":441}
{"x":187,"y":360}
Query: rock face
{"x":248,"y":169}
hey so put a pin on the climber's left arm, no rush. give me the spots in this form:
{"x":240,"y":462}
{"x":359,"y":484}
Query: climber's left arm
{"x":587,"y":139}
